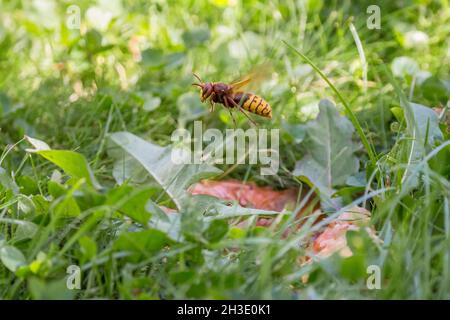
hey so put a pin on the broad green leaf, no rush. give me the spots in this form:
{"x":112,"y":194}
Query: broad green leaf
{"x":131,"y":202}
{"x":67,"y":206}
{"x":141,"y":243}
{"x":41,"y":204}
{"x":28,"y":185}
{"x":329,"y":158}
{"x":173,"y":178}
{"x":12,"y":257}
{"x":217,"y":229}
{"x":73,"y":163}
{"x":436,"y":90}
{"x":297,"y":132}
{"x":357,"y":180}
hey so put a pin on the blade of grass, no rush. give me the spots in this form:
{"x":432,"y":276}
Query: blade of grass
{"x":349,"y":112}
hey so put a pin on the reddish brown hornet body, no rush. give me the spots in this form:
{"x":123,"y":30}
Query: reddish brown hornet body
{"x":226,"y":94}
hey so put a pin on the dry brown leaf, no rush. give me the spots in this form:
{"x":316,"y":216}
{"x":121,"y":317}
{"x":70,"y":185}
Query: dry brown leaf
{"x":248,"y":194}
{"x":333,"y":238}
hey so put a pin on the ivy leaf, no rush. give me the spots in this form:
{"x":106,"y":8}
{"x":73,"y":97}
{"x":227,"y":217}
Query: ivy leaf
{"x":329,"y":160}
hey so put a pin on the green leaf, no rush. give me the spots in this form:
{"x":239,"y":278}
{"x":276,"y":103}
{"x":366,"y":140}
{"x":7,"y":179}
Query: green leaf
{"x":12,"y":257}
{"x":142,"y":243}
{"x":296,"y":131}
{"x":68,"y":206}
{"x":55,"y":189}
{"x":41,"y":204}
{"x":93,"y":40}
{"x":131,"y":202}
{"x":330,"y":158}
{"x":28,"y":185}
{"x":216,"y":230}
{"x":73,"y":163}
{"x":398,"y":113}
{"x":173,"y":178}
{"x":353,"y":268}
{"x":436,"y":90}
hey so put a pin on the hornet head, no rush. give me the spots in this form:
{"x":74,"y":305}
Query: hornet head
{"x":207,"y":88}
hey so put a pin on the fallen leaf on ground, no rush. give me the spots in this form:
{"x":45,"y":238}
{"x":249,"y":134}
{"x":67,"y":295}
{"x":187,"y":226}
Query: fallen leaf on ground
{"x":252,"y":196}
{"x":333,"y":239}
{"x":248,"y":194}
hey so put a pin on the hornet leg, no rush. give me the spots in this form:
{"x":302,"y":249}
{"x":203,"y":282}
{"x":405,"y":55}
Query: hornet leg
{"x":212,"y":103}
{"x":229,"y":110}
{"x":243,"y":111}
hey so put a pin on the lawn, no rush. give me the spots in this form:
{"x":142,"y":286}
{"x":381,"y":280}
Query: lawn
{"x":351,"y":202}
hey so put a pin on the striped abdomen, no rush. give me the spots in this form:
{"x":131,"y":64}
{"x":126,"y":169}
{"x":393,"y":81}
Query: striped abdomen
{"x":254,"y":104}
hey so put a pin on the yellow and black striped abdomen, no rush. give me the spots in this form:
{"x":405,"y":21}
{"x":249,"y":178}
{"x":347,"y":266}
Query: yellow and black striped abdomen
{"x":257,"y":105}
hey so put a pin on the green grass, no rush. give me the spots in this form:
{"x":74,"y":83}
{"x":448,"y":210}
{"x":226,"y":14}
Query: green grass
{"x":74,"y":89}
